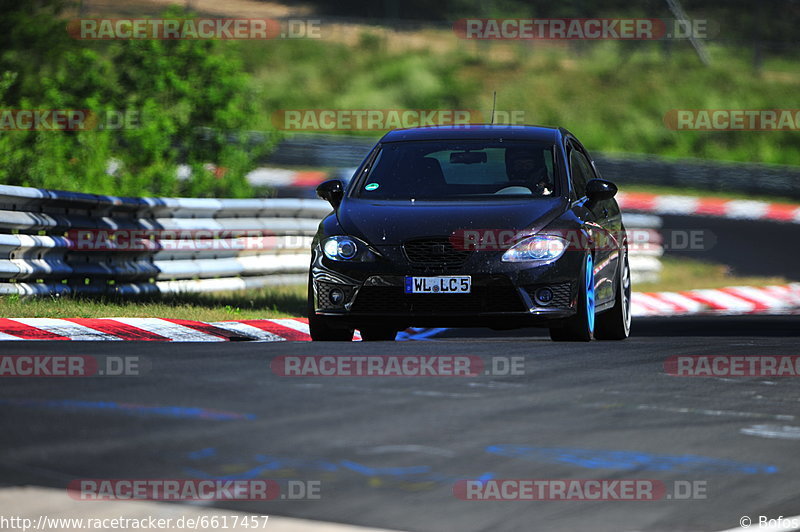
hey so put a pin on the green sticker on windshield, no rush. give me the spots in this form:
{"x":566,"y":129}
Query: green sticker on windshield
{"x":371,"y":186}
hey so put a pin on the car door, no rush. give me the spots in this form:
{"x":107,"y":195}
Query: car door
{"x":596,"y":218}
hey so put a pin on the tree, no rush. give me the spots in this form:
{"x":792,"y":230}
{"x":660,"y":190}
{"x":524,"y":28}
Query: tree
{"x":149,"y":102}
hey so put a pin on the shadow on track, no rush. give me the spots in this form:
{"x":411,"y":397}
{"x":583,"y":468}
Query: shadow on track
{"x":782,"y":326}
{"x":691,"y":326}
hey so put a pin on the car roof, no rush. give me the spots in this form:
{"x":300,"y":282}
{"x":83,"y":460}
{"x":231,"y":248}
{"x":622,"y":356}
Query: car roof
{"x":477,"y":131}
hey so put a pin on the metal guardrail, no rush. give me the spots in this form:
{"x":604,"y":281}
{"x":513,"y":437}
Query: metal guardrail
{"x":55,"y":242}
{"x":645,"y":248}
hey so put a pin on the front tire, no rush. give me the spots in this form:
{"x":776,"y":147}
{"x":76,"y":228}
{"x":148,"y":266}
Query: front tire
{"x":580,"y":327}
{"x":615,"y":324}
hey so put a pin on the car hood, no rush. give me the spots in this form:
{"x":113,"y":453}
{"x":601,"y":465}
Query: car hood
{"x":390,"y":223}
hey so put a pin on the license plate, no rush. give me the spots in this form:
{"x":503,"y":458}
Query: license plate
{"x":439,"y":285}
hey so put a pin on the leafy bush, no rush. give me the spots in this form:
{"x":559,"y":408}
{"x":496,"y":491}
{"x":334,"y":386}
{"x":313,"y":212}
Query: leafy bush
{"x":167,"y":90}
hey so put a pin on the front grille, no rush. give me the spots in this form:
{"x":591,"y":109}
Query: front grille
{"x":391,"y":299}
{"x":435,"y":253}
{"x":324,"y":295}
{"x":562,"y":294}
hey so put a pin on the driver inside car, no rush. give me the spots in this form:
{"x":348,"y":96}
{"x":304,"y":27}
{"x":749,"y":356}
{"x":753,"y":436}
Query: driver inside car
{"x":528,"y":169}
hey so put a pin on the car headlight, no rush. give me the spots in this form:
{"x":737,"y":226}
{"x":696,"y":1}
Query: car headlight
{"x":347,"y":248}
{"x":536,"y":248}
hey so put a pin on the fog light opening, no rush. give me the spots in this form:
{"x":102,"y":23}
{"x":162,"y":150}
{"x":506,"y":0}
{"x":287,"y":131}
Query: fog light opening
{"x":544,"y":296}
{"x":337,"y":296}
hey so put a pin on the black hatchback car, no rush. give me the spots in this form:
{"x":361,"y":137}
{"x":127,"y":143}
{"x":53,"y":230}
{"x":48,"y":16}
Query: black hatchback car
{"x":471,"y":226}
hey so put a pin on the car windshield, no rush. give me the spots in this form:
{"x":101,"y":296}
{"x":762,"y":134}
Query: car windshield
{"x":460,"y":169}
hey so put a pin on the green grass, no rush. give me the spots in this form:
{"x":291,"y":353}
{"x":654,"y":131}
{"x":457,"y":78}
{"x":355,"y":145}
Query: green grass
{"x":614,"y":98}
{"x":265,"y":303}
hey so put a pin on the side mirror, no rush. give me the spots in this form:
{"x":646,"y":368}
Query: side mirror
{"x":331,"y":191}
{"x":600,"y":190}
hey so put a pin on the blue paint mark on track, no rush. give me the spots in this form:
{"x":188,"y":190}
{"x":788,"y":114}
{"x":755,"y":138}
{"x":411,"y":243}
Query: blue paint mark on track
{"x":181,"y":412}
{"x":415,"y":333}
{"x":202,"y":453}
{"x":627,"y":460}
{"x":267,"y":463}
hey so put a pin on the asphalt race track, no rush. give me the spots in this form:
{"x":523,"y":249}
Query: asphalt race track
{"x":387,"y":451}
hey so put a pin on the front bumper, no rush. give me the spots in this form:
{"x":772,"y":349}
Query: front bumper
{"x":503,"y":294}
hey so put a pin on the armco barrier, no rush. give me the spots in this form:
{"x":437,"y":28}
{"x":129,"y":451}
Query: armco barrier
{"x":646,"y":251}
{"x":733,"y":209}
{"x":173,"y":244}
{"x":55,"y":242}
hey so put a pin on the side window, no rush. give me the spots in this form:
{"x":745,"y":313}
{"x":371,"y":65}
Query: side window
{"x":588,"y":167}
{"x":579,"y":168}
